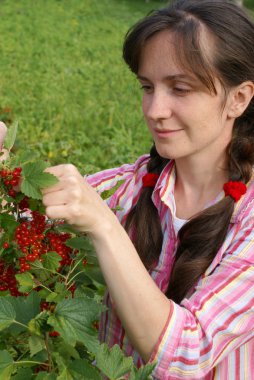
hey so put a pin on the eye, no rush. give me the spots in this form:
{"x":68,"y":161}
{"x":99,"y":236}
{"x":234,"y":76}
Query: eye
{"x":181,"y":90}
{"x":146,"y":88}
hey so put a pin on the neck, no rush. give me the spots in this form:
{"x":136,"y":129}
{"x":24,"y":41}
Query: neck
{"x":201,"y":176}
{"x":198,"y":182}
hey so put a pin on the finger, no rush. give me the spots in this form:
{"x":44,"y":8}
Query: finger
{"x":62,"y":213}
{"x":4,"y":154}
{"x":62,"y":170}
{"x":61,"y":197}
{"x":53,"y":189}
{"x":3,"y":131}
{"x":55,"y":212}
{"x":69,"y":214}
{"x":66,"y":182}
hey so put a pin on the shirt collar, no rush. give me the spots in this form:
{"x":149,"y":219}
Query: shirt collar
{"x":245,"y":203}
{"x":164,"y":192}
{"x":164,"y":189}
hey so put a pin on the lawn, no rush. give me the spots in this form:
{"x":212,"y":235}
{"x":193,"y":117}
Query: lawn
{"x":62,"y":77}
{"x":249,"y":4}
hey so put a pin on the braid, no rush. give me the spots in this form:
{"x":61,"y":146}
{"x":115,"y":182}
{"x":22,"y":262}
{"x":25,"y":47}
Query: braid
{"x":241,"y":152}
{"x":201,"y":238}
{"x":144,"y":218}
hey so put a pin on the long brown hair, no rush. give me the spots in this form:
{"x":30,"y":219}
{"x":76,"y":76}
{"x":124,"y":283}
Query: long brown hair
{"x":233,"y":63}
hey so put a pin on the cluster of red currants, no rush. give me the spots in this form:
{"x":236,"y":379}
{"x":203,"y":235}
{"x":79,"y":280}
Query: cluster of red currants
{"x":33,"y":238}
{"x":8,"y":280}
{"x":11,"y":179}
{"x":29,"y":238}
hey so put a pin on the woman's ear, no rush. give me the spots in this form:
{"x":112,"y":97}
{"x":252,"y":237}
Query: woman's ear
{"x":240,"y":98}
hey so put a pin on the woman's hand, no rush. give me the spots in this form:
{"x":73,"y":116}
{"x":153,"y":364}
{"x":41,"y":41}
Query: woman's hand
{"x":3,"y":130}
{"x":75,"y":201}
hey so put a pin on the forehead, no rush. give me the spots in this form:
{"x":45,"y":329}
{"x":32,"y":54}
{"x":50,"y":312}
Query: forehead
{"x":158,"y":53}
{"x":168,"y":52}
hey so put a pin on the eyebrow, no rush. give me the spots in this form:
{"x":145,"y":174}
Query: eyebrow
{"x":169,"y":77}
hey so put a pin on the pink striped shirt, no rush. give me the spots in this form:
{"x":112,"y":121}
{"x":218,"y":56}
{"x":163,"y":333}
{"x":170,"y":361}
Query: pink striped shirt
{"x":210,"y":335}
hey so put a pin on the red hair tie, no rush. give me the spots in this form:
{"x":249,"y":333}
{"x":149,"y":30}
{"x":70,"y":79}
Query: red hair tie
{"x":150,"y":179}
{"x":235,"y":189}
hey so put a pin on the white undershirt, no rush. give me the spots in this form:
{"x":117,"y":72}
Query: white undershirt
{"x":177,"y":222}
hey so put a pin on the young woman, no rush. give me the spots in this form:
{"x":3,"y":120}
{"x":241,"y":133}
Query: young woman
{"x":178,"y":256}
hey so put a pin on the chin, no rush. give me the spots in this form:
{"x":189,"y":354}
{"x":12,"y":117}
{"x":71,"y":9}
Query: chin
{"x":165,"y":153}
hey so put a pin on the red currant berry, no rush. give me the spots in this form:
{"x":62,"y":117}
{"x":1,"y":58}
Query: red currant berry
{"x":84,"y":262}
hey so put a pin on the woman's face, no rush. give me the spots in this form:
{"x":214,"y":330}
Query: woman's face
{"x":185,"y":119}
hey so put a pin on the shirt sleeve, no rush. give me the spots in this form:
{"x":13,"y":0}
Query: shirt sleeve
{"x":217,"y":318}
{"x":128,"y":192}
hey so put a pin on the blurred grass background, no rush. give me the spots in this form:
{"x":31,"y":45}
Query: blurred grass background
{"x":63,"y":78}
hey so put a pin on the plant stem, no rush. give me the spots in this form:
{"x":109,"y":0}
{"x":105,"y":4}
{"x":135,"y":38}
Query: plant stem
{"x":71,"y":270}
{"x":20,"y":324}
{"x":48,"y":352}
{"x":45,"y":287}
{"x":48,"y":270}
{"x":23,"y":354}
{"x":71,"y":280}
{"x":31,"y":362}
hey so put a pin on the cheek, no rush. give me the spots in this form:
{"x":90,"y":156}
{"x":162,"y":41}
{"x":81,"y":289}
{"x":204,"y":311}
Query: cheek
{"x":146,"y":101}
{"x":144,"y":106}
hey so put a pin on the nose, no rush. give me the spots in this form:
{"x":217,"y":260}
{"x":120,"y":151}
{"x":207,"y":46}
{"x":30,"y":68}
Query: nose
{"x":157,"y":106}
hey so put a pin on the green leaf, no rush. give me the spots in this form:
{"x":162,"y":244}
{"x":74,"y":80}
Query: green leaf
{"x":23,"y":156}
{"x":36,"y":344}
{"x":95,"y":274}
{"x":77,"y":242}
{"x":85,"y":291}
{"x":25,"y":308}
{"x":11,"y":136}
{"x":73,"y":319}
{"x":34,"y":204}
{"x":112,"y":362}
{"x":60,"y":287}
{"x":51,"y":261}
{"x":38,"y":324}
{"x":45,"y":376}
{"x":107,"y":193}
{"x":7,"y":313}
{"x":64,"y":373}
{"x":85,"y":370}
{"x":37,"y":265}
{"x":6,"y":365}
{"x":23,"y":374}
{"x":26,"y":282}
{"x":52,"y":297}
{"x":8,"y":223}
{"x":66,"y":350}
{"x":66,"y":228}
{"x":42,"y":275}
{"x":35,"y":179}
{"x":142,"y":373}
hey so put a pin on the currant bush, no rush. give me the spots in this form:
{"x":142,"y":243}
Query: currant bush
{"x":50,"y":291}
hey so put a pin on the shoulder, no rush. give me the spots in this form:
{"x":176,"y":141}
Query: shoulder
{"x":106,"y":179}
{"x":244,"y":208}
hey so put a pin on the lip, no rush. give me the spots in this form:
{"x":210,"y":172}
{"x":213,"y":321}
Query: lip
{"x":166,"y":132}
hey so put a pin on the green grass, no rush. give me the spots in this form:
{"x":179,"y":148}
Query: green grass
{"x":249,"y":4}
{"x":62,"y":75}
